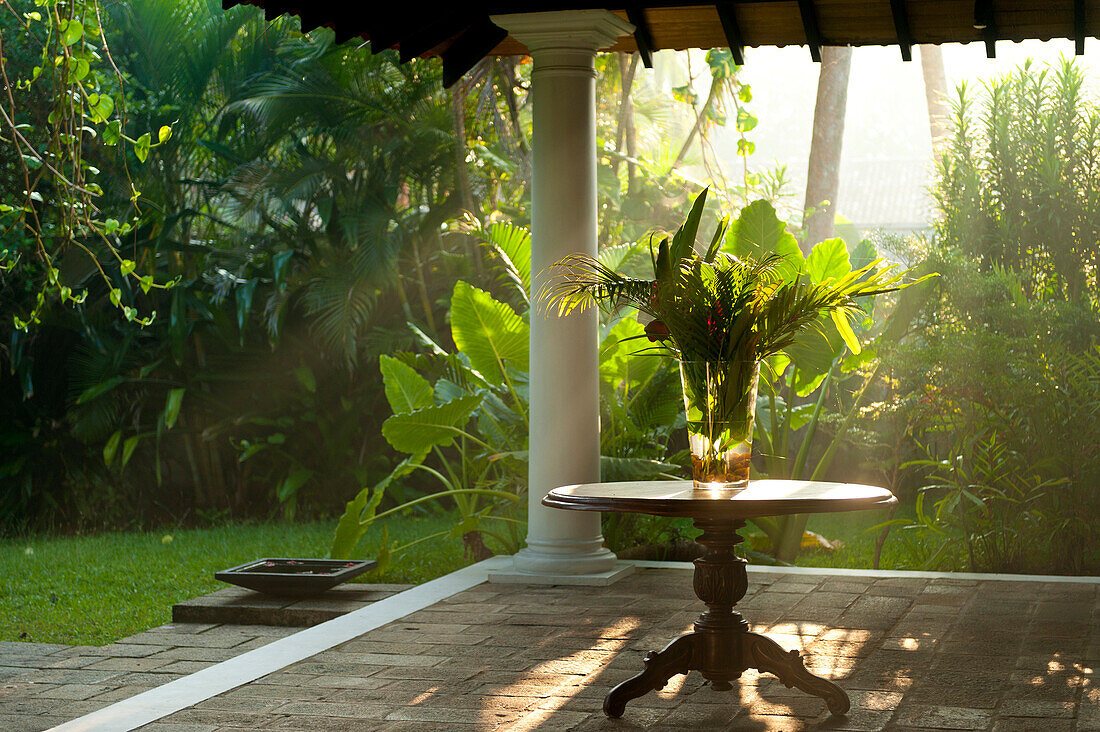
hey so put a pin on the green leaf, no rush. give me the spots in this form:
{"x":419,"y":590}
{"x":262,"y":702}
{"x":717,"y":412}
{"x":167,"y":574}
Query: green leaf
{"x":840,"y":319}
{"x":513,"y":245}
{"x":720,"y":61}
{"x":292,"y":483}
{"x":489,"y":332}
{"x":128,"y":449}
{"x":828,"y":260}
{"x":758,"y":232}
{"x":79,"y":70}
{"x":359,"y":513}
{"x":126,"y":266}
{"x":685,"y":94}
{"x":613,"y":469}
{"x":421,"y":430}
{"x":683,"y":241}
{"x":305,"y":377}
{"x":71,"y":31}
{"x":172,"y":407}
{"x":243,"y":294}
{"x":280,"y":262}
{"x":141,"y":147}
{"x":406,"y":390}
{"x":854,"y":361}
{"x":164,"y":134}
{"x":101,"y":388}
{"x":112,"y":133}
{"x":111,"y":447}
{"x":102,"y":108}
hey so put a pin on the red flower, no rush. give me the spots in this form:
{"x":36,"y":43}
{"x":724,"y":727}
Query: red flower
{"x":656,"y":331}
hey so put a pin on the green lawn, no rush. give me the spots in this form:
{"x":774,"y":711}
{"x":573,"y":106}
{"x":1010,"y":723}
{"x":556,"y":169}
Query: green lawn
{"x":91,"y":590}
{"x":901,"y":550}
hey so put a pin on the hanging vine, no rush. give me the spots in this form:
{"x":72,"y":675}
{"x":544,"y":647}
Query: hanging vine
{"x":55,"y":208}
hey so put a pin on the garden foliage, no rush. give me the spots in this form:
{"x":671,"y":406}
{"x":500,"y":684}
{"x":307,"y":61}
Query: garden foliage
{"x":1000,"y":386}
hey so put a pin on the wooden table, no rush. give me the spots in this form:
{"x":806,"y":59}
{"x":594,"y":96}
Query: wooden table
{"x":721,"y":647}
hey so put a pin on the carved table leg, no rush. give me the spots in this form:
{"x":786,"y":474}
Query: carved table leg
{"x":765,"y":654}
{"x":660,"y":666}
{"x":721,"y":647}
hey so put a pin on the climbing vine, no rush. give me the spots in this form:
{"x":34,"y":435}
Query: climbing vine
{"x":53,"y":205}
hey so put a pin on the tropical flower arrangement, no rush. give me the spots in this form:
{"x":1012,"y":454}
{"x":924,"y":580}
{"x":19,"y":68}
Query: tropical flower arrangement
{"x":720,"y":316}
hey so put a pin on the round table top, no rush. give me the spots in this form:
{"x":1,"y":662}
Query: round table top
{"x":680,"y":498}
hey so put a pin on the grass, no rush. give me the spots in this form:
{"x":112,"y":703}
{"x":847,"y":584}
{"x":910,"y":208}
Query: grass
{"x":92,"y":590}
{"x":858,"y":532}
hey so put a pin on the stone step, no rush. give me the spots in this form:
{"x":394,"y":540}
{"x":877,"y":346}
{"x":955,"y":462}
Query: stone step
{"x":238,"y":606}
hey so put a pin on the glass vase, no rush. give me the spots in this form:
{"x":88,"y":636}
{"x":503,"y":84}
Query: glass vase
{"x":720,"y":400}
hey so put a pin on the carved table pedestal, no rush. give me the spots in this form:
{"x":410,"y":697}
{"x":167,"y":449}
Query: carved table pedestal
{"x":721,"y":647}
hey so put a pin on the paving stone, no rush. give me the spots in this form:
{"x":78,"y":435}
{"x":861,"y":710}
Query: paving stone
{"x":912,"y":654}
{"x":74,"y":691}
{"x":943,"y":717}
{"x":1029,"y":725}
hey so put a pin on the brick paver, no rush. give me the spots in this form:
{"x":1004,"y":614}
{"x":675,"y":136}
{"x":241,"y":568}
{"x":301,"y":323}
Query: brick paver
{"x":913,"y":654}
{"x":42,"y":684}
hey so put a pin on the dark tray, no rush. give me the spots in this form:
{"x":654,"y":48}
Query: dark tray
{"x":294,"y":577}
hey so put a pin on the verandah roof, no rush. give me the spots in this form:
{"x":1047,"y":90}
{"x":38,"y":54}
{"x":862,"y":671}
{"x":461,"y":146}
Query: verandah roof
{"x":464,"y":34}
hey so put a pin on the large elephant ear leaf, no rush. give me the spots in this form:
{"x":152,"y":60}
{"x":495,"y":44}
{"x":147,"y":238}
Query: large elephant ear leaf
{"x":758,"y":232}
{"x":421,"y":430}
{"x":829,"y":260}
{"x":489,"y":332}
{"x":406,"y":390}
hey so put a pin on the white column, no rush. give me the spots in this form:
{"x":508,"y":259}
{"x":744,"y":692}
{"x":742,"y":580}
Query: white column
{"x":565,"y":404}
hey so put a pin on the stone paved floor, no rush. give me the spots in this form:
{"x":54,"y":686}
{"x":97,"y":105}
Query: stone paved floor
{"x":43,"y":684}
{"x":914,"y":654}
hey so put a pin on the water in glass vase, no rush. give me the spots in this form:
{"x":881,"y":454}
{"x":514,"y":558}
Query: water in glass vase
{"x":720,"y":400}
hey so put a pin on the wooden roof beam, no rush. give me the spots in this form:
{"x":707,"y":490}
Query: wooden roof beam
{"x":1079,"y":27}
{"x":642,"y":37}
{"x":985,"y":22}
{"x":809,"y":24}
{"x":428,"y":37}
{"x":901,"y":28}
{"x":469,"y":48}
{"x":732,"y":31}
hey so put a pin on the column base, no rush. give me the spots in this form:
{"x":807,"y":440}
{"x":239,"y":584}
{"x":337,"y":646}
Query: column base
{"x":513,"y":576}
{"x":562,"y":560}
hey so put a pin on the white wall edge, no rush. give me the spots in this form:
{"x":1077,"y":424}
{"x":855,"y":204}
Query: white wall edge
{"x":884,"y":573}
{"x":185,"y":692}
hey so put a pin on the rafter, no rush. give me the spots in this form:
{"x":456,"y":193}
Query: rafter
{"x":901,"y":28}
{"x":469,"y":48}
{"x":1079,"y":27}
{"x":642,"y":36}
{"x":986,"y":23}
{"x":732,"y":31}
{"x":809,"y":25}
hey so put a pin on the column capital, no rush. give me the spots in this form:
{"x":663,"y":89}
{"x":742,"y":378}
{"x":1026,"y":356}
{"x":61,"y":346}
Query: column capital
{"x":581,"y":29}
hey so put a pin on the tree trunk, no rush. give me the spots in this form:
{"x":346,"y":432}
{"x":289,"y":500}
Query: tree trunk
{"x":465,"y":192}
{"x":823,"y":174}
{"x":462,"y":176}
{"x":936,"y":94}
{"x":700,"y":120}
{"x":626,"y":104}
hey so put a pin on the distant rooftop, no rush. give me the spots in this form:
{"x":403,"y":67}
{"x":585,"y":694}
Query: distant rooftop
{"x":891,"y":195}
